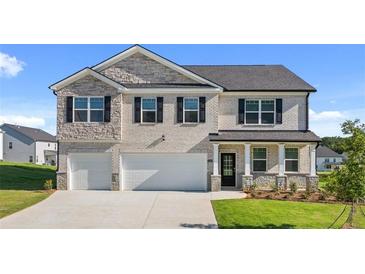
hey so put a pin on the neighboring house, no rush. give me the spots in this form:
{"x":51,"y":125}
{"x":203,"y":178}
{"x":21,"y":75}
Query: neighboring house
{"x":138,"y":121}
{"x":26,"y":144}
{"x":327,"y":159}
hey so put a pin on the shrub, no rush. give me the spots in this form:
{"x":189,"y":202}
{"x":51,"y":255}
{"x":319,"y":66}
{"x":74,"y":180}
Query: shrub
{"x":293,"y":187}
{"x":48,"y":184}
{"x":252,"y":187}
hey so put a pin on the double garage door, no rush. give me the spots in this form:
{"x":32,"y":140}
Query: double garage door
{"x":185,"y":171}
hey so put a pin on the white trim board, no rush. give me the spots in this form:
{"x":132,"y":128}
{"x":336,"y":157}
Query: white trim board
{"x":138,"y":49}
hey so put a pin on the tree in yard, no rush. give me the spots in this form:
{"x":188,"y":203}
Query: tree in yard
{"x":348,"y":183}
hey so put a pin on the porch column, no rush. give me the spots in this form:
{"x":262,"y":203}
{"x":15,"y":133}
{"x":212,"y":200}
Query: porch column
{"x":281,"y":179}
{"x":215,"y":159}
{"x":312,"y":153}
{"x":215,"y":180}
{"x":281,"y":159}
{"x":312,"y":178}
{"x":247,"y":178}
{"x":247,"y":159}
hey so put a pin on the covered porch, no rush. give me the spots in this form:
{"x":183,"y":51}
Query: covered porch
{"x":266,"y":159}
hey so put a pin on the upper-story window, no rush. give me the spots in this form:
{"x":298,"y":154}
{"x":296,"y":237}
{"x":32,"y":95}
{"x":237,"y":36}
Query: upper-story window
{"x":191,"y":110}
{"x":10,"y":145}
{"x":149,"y":110}
{"x":260,"y":112}
{"x":88,"y":109}
{"x":327,"y":160}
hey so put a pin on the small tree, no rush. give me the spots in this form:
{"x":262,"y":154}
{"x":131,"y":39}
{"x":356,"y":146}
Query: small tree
{"x":348,"y":183}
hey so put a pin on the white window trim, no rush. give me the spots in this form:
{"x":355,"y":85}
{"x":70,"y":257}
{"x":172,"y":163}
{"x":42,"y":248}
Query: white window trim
{"x":87,"y":109}
{"x":198,"y":117}
{"x":252,"y":160}
{"x":285,"y":159}
{"x":260,"y":111}
{"x":155,"y":110}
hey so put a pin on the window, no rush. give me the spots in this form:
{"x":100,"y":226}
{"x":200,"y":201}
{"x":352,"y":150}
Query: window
{"x":148,"y":110}
{"x":49,"y":144}
{"x":191,"y":110}
{"x":10,"y":145}
{"x":334,"y":160}
{"x":260,"y":112}
{"x":89,"y":109}
{"x":326,"y":160}
{"x":291,"y":159}
{"x":31,"y":159}
{"x":259,"y":159}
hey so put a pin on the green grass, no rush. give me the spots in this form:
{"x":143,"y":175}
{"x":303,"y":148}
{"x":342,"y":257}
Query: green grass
{"x":25,"y":176}
{"x":14,"y":200}
{"x":251,"y":213}
{"x":21,"y":185}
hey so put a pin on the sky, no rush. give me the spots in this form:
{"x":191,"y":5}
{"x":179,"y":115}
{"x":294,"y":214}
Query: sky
{"x":336,"y":71}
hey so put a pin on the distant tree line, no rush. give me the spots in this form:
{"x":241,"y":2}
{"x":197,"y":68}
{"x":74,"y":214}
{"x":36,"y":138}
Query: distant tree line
{"x":335,"y":143}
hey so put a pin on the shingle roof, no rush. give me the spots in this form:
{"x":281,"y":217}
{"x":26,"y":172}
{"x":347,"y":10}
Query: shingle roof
{"x":252,"y":77}
{"x":323,"y":151}
{"x":264,"y":135}
{"x":166,"y":85}
{"x":35,"y":134}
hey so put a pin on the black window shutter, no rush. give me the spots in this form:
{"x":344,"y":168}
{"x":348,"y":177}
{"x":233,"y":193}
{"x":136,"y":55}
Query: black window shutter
{"x":159,"y":109}
{"x":279,"y":111}
{"x":107,"y":107}
{"x":201,"y":109}
{"x":241,"y":111}
{"x":180,"y":109}
{"x":137,"y":109}
{"x":69,"y":109}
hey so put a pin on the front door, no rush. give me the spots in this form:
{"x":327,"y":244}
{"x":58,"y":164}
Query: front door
{"x":228,"y":169}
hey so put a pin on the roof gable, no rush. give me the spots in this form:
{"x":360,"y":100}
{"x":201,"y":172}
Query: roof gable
{"x":81,"y":74}
{"x":34,"y":134}
{"x":323,"y":151}
{"x":138,"y":65}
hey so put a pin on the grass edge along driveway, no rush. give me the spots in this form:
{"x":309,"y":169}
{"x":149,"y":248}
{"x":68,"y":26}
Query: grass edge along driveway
{"x":21,"y":185}
{"x":259,"y":213}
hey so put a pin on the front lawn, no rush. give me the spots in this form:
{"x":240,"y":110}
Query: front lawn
{"x":251,"y":213}
{"x":21,"y":185}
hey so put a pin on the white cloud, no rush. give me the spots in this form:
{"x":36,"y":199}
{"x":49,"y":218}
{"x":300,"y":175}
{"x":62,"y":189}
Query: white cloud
{"x":333,"y":102}
{"x":10,"y":66}
{"x":328,"y":123}
{"x":325,"y":115}
{"x":22,"y":120}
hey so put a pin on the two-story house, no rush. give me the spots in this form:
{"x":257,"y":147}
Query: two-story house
{"x":138,"y":121}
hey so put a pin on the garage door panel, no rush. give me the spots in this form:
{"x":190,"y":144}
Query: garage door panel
{"x":90,"y":171}
{"x":164,"y":171}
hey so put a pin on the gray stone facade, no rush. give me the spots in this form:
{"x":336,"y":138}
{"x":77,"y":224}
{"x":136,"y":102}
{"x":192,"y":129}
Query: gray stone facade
{"x":89,"y":86}
{"x":61,"y":178}
{"x":216,"y":183}
{"x":312,"y":183}
{"x":138,"y":69}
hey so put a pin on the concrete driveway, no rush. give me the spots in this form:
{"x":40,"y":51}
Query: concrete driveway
{"x":112,"y":209}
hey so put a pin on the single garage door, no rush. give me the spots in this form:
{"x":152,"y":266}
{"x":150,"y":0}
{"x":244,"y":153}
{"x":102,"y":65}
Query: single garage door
{"x":187,"y":171}
{"x":90,"y":171}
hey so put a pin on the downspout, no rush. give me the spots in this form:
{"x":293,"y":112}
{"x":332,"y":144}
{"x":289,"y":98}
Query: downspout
{"x":307,"y":112}
{"x":58,"y":155}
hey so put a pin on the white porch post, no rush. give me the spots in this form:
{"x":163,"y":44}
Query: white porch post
{"x":247,"y":159}
{"x":312,"y":153}
{"x":281,"y":159}
{"x":215,"y":159}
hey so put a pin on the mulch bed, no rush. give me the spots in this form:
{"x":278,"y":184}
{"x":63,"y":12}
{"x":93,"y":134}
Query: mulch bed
{"x":299,"y":196}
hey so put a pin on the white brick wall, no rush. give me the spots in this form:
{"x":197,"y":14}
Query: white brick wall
{"x":294,"y":114}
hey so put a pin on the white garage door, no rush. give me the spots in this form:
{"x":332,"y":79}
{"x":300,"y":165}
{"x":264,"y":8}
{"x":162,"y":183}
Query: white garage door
{"x":187,"y":171}
{"x":90,"y":171}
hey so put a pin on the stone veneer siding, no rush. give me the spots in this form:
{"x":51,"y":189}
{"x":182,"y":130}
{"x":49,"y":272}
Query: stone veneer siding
{"x":89,"y":86}
{"x":294,"y":115}
{"x":139,"y":68}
